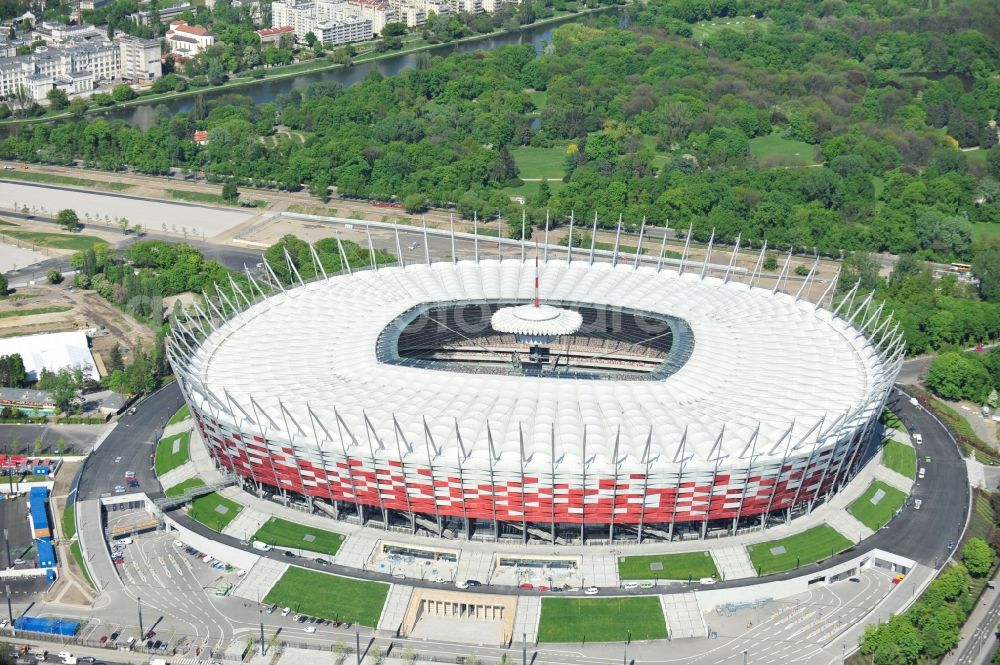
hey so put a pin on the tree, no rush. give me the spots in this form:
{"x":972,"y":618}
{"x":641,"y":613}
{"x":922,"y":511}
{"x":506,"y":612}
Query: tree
{"x":230,"y":192}
{"x":394,"y":29}
{"x":54,"y":276}
{"x":38,"y":446}
{"x":123,"y":225}
{"x":58,"y":99}
{"x":4,"y":288}
{"x":115,"y":360}
{"x":986,"y":266}
{"x":311,"y":39}
{"x":67,"y":218}
{"x":62,"y":386}
{"x":415,"y":203}
{"x":956,"y":376}
{"x":977,"y":557}
{"x":12,"y":372}
{"x":770,"y":262}
{"x":123,"y":93}
{"x":60,"y":445}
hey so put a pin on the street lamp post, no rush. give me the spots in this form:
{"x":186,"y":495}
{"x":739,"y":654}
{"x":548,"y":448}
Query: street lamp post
{"x":625,"y":651}
{"x":10,"y":611}
{"x":357,"y":640}
{"x":524,"y":648}
{"x":142,"y":633}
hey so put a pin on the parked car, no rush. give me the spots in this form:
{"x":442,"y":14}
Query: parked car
{"x":286,"y":611}
{"x":706,"y":581}
{"x":628,"y":586}
{"x":310,"y":629}
{"x":592,"y":591}
{"x":103,"y":640}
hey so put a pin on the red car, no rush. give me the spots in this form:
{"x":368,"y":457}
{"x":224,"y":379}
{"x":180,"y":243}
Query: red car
{"x":104,"y":638}
{"x":543,"y":589}
{"x":527,"y":586}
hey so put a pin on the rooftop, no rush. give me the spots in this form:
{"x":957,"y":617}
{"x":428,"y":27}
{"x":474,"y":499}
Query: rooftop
{"x":761,"y":363}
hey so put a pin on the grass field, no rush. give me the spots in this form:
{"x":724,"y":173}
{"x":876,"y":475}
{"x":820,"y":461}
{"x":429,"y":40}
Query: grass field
{"x":182,"y":413}
{"x":207,"y":197}
{"x":890,"y":419}
{"x":51,"y":179}
{"x":901,"y":458}
{"x":283,"y":533}
{"x":877,"y":515}
{"x":69,"y":522}
{"x":601,"y":619}
{"x":539,"y":97}
{"x":530,"y":188}
{"x":774,"y":150}
{"x":704,"y":29}
{"x":329,"y":596}
{"x":166,"y":458}
{"x":72,"y":241}
{"x":540,"y":162}
{"x":985,"y":231}
{"x":816,"y":544}
{"x":206,"y":509}
{"x":977,"y":156}
{"x":180,"y":488}
{"x":31,"y":311}
{"x":680,"y":566}
{"x":77,"y":553}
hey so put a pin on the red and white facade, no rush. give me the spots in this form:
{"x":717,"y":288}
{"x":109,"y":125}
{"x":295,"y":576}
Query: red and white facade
{"x":773,"y":410}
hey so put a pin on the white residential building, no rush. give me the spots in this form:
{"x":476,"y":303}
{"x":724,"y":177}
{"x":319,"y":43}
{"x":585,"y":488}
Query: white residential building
{"x":379,"y":13}
{"x":467,"y":6}
{"x":140,"y":58}
{"x":75,"y":68}
{"x":415,"y":12}
{"x":331,"y":22}
{"x":55,"y":33}
{"x":188,"y":40}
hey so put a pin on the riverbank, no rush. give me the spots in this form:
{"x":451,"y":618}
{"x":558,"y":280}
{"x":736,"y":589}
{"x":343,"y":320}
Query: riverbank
{"x":303,"y":68}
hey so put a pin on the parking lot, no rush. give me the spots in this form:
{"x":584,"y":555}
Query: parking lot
{"x":13,"y":518}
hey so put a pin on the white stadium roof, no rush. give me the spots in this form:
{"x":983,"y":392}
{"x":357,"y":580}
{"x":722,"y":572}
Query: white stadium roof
{"x":52,"y":351}
{"x":760,"y":360}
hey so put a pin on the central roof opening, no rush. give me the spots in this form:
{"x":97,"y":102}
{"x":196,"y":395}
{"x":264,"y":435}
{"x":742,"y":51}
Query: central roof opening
{"x":485,"y":337}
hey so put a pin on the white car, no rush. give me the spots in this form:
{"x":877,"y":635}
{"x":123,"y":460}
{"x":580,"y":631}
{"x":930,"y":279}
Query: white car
{"x":119,"y":489}
{"x":918,"y":438}
{"x":628,"y":586}
{"x":706,"y":581}
{"x":65,"y":654}
{"x":310,"y":629}
{"x":123,"y":541}
{"x":178,"y":543}
{"x":3,"y":623}
{"x":592,"y":591}
{"x":285,"y":612}
{"x":461,"y":585}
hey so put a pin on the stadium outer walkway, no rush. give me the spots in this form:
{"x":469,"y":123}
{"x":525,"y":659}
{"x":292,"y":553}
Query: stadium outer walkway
{"x":600,"y":565}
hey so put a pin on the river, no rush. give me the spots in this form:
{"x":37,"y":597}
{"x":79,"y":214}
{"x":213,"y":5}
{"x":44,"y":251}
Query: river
{"x":266,"y":90}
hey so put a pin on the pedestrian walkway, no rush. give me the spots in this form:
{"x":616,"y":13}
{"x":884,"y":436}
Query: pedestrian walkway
{"x":733,"y":562}
{"x":183,"y":426}
{"x":258,"y":581}
{"x":684,"y":616}
{"x":890,"y":477}
{"x":599,"y":568}
{"x":178,"y":475}
{"x":850,"y":526}
{"x":246,"y":523}
{"x":476,"y":565}
{"x":394,"y":610}
{"x":356,"y":550}
{"x":529,"y":612}
{"x":205,"y":467}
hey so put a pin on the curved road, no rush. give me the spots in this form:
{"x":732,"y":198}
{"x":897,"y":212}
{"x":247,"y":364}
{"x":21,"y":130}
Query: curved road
{"x":922,"y":535}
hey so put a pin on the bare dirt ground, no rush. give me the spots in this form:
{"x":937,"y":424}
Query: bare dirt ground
{"x":86,"y":311}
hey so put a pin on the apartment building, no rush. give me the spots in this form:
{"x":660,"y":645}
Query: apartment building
{"x":140,"y":58}
{"x":334,"y":22}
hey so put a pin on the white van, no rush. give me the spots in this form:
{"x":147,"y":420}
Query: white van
{"x":123,"y":541}
{"x":923,"y":472}
{"x":918,"y":438}
{"x":262,"y":546}
{"x":157,"y":661}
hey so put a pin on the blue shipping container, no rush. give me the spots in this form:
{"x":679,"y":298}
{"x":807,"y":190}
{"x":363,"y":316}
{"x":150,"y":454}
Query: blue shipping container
{"x":46,"y":553}
{"x":39,"y":515}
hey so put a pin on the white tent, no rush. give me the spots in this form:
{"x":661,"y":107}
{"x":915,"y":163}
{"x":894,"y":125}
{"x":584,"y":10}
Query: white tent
{"x":52,"y":351}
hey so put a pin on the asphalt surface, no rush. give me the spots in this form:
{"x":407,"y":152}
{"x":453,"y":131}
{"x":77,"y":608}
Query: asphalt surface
{"x":79,"y":438}
{"x":944,"y":492}
{"x":129,"y":446}
{"x":984,"y":634}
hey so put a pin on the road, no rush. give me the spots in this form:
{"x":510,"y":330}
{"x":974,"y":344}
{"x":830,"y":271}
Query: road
{"x":977,"y":649}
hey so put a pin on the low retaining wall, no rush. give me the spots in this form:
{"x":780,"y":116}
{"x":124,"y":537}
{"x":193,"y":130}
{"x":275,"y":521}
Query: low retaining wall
{"x":221,"y":551}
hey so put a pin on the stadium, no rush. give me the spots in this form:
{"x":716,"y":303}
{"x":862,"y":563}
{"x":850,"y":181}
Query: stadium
{"x":561,"y":400}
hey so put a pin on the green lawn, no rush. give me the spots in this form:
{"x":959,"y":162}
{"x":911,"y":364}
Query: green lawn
{"x":207,"y":197}
{"x":985,"y":231}
{"x":69,"y":521}
{"x":77,"y":553}
{"x":52,"y":179}
{"x":977,"y":156}
{"x":539,"y":97}
{"x":680,"y":566}
{"x":182,"y":413}
{"x":601,"y":619}
{"x":166,"y":458}
{"x":31,"y":311}
{"x":877,"y":515}
{"x":283,"y":533}
{"x":181,"y":488}
{"x":540,"y":162}
{"x":704,"y":29}
{"x":773,"y":150}
{"x":890,"y":419}
{"x":901,"y":458}
{"x":72,"y":241}
{"x":329,"y":596}
{"x":208,"y":510}
{"x":531,"y":188}
{"x":816,"y":544}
